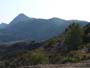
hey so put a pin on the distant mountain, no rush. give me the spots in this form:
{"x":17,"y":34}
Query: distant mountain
{"x":20,"y":18}
{"x":24,"y":28}
{"x":3,"y":25}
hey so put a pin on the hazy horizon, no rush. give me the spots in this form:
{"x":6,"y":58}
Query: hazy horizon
{"x":65,"y":9}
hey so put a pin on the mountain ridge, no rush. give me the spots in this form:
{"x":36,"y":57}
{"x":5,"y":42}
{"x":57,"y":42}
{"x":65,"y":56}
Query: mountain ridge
{"x":22,"y":28}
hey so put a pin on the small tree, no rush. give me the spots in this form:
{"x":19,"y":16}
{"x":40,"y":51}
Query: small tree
{"x":74,"y":36}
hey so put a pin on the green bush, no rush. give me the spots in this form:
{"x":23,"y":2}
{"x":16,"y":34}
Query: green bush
{"x":39,"y":57}
{"x":70,"y":59}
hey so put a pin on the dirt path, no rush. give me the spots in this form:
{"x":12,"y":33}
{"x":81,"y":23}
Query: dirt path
{"x":68,"y":65}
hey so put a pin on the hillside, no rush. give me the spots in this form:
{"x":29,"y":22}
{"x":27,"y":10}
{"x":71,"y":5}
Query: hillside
{"x":58,"y":51}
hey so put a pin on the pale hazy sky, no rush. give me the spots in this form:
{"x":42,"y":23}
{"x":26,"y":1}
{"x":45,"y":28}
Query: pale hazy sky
{"x":65,"y":9}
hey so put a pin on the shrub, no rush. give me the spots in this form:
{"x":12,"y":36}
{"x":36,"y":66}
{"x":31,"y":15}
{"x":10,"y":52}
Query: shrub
{"x":39,"y":57}
{"x":70,"y":59}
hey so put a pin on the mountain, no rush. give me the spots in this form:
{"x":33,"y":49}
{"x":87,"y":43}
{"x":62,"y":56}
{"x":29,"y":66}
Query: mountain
{"x":20,"y":18}
{"x":3,"y":25}
{"x":24,"y":28}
